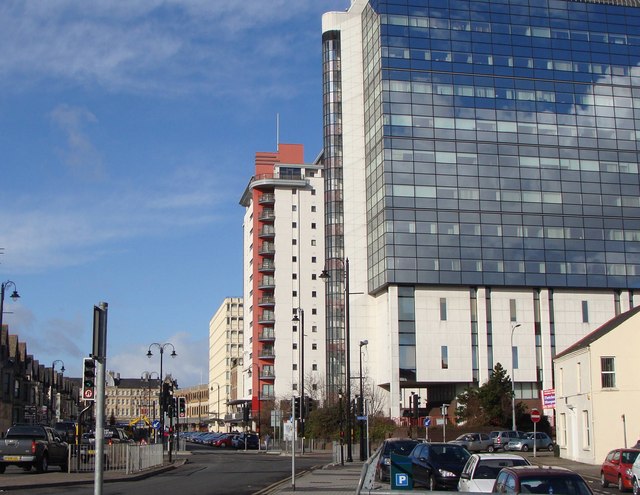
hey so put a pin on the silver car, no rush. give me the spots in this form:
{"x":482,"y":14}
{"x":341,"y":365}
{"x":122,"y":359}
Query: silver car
{"x":475,"y":442}
{"x":542,"y":442}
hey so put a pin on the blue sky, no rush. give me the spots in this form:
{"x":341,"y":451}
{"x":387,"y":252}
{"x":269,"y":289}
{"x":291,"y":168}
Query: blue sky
{"x":127,"y":135}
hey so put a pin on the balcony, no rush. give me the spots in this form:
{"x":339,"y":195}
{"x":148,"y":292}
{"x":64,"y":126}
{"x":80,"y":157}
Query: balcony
{"x":267,"y":352}
{"x":267,"y":373}
{"x":267,"y":215}
{"x":267,"y":283}
{"x":267,"y":199}
{"x":267,"y":232}
{"x":267,"y":302}
{"x":267,"y":249}
{"x":267,"y":266}
{"x":267,"y":334}
{"x":267,"y":318}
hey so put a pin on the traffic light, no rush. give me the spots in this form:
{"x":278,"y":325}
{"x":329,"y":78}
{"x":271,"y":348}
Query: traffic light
{"x":296,"y":407}
{"x":416,"y":404}
{"x":88,"y":379}
{"x":166,"y":396}
{"x":245,"y":413}
{"x":311,"y":405}
{"x":182,"y":407}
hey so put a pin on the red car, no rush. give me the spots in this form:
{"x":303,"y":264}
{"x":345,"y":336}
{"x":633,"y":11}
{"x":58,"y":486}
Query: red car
{"x":223,"y":440}
{"x":616,"y":468}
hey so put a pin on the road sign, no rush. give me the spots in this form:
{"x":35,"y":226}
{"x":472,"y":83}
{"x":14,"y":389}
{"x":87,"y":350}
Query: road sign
{"x":361,"y":418}
{"x":427,"y":422}
{"x":535,"y":415}
{"x":156,"y":424}
{"x":402,"y":479}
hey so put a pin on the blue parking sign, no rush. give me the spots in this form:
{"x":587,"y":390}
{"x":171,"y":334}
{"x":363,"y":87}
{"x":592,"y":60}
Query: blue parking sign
{"x":402,"y":479}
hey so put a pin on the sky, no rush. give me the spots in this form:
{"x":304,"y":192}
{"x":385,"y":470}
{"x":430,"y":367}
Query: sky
{"x":128,"y":132}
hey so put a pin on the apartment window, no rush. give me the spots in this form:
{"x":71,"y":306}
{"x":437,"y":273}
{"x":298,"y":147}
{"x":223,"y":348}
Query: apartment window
{"x":313,"y":242}
{"x":294,"y":225}
{"x":313,"y":259}
{"x":295,"y":345}
{"x":314,"y":328}
{"x":443,"y":309}
{"x":562,"y":438}
{"x":313,"y":225}
{"x":444,"y":357}
{"x":294,"y":293}
{"x":314,"y":347}
{"x":585,"y":312}
{"x":608,"y":372}
{"x":586,"y":430}
{"x":314,"y":311}
{"x":294,"y":386}
{"x":512,"y":310}
{"x":294,"y":276}
{"x":314,"y":293}
{"x":295,"y":367}
{"x":294,"y":207}
{"x":313,"y":192}
{"x":313,"y":209}
{"x":579,"y":378}
{"x":514,"y":358}
{"x":294,"y":259}
{"x":313,"y":276}
{"x":314,"y":367}
{"x":294,"y":242}
{"x":314,"y":386}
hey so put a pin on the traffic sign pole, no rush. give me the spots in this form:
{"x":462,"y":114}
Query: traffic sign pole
{"x":535,"y":418}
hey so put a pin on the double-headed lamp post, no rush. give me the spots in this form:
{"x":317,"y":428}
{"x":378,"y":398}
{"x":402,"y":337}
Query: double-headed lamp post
{"x":51,"y":389}
{"x":347,"y":345}
{"x":14,"y":295}
{"x":363,"y":447}
{"x":161,"y":348}
{"x":299,"y":317}
{"x":513,"y":384}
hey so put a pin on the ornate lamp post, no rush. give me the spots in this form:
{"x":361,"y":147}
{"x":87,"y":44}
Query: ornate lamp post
{"x":161,"y":348}
{"x":14,"y":295}
{"x":363,"y":447}
{"x":52,"y":402}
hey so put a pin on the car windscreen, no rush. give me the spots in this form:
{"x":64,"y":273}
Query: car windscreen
{"x":401,"y":447}
{"x":629,"y":457}
{"x":554,"y":485}
{"x":488,"y":469}
{"x":25,"y":432}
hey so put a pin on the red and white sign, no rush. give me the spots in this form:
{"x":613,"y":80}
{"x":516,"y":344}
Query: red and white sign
{"x":549,"y":398}
{"x":535,"y":415}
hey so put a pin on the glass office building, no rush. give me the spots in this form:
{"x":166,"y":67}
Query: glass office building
{"x":500,"y":153}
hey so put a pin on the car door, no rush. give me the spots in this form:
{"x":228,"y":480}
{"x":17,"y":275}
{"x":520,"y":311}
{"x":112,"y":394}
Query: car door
{"x":464,"y":484}
{"x":421,"y":471}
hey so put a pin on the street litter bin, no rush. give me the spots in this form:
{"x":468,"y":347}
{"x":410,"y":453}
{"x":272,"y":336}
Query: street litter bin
{"x":401,"y":473}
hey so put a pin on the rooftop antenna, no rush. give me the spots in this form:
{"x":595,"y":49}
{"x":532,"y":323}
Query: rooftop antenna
{"x":278,"y":132}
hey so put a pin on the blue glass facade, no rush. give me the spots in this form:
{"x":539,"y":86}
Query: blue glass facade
{"x":501,"y":143}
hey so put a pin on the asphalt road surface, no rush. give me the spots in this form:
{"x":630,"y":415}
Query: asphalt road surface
{"x":207,"y":472}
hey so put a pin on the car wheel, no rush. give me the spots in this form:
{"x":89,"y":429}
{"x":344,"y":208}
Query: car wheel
{"x":491,"y":448}
{"x":550,"y":447}
{"x":525,"y":448}
{"x":433,"y":486}
{"x":43,"y":465}
{"x":620,"y":484}
{"x":636,"y":486}
{"x":603,"y":482}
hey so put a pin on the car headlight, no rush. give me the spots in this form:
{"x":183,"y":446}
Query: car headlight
{"x":446,"y":474}
{"x":629,"y":473}
{"x":386,"y":461}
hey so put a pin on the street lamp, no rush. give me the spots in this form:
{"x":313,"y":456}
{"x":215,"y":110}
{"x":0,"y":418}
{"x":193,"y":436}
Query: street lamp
{"x":296,"y":318}
{"x":325,"y":275}
{"x":51,"y":388}
{"x":250,"y":372}
{"x":14,"y":295}
{"x":217,"y":406}
{"x":513,"y":385}
{"x":161,"y":348}
{"x":147,"y":376}
{"x":363,"y":453}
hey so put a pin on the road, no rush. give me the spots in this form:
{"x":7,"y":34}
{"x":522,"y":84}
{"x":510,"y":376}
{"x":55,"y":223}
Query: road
{"x":207,"y":472}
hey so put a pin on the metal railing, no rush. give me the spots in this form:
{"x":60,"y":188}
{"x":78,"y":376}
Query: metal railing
{"x":125,"y":457}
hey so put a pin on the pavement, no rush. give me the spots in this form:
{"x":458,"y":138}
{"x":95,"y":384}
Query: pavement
{"x":325,"y":479}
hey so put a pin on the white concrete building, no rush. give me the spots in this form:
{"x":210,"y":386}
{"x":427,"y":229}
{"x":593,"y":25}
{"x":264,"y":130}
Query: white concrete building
{"x":597,"y":393}
{"x":226,"y":343}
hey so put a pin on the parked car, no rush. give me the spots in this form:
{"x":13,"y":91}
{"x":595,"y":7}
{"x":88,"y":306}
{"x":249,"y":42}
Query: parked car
{"x":635,"y":476}
{"x":481,"y":470}
{"x":540,"y":479}
{"x":30,"y":446}
{"x":66,"y":430}
{"x":399,"y":446}
{"x":503,"y":437}
{"x":438,"y":465}
{"x":474,"y":442}
{"x":223,"y":440}
{"x":616,"y":468}
{"x":542,"y":442}
{"x":245,"y":440}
